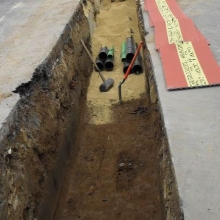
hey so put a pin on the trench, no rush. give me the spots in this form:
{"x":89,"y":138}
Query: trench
{"x":115,"y":174}
{"x":72,"y":152}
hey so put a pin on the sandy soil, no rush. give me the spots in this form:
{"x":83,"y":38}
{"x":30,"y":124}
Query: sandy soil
{"x":113,"y":27}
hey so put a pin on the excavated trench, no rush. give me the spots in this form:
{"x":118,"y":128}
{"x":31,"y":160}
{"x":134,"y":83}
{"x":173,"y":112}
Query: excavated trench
{"x":73,"y":152}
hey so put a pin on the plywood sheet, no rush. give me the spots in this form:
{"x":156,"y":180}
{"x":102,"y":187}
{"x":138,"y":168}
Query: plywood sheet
{"x":183,"y":30}
{"x":167,"y":8}
{"x":189,"y":65}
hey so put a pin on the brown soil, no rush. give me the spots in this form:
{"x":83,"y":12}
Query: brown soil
{"x":34,"y":143}
{"x":116,"y":174}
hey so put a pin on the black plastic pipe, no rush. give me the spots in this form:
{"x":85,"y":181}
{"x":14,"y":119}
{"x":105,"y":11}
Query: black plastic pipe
{"x":137,"y":67}
{"x":125,"y":67}
{"x":130,"y":49}
{"x":99,"y":64}
{"x":109,"y":64}
{"x":103,"y":53}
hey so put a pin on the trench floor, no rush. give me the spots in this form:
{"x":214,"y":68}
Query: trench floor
{"x":115,"y":175}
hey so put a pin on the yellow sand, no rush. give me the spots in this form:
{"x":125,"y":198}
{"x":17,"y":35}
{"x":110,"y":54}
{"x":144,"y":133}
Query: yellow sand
{"x":113,"y":27}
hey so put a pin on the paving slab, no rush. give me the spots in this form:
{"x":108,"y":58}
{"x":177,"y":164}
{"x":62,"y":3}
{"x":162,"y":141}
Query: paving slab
{"x":192,"y":120}
{"x":29,"y":29}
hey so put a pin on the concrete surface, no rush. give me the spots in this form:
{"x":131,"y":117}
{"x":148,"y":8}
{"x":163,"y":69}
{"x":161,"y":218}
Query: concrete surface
{"x":192,"y":121}
{"x":29,"y":29}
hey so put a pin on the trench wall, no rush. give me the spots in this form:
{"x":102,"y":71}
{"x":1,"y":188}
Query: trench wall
{"x":171,"y":199}
{"x":41,"y":131}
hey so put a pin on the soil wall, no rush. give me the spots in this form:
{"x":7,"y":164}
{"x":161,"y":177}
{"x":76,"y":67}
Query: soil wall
{"x":40,"y":135}
{"x":169,"y":187}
